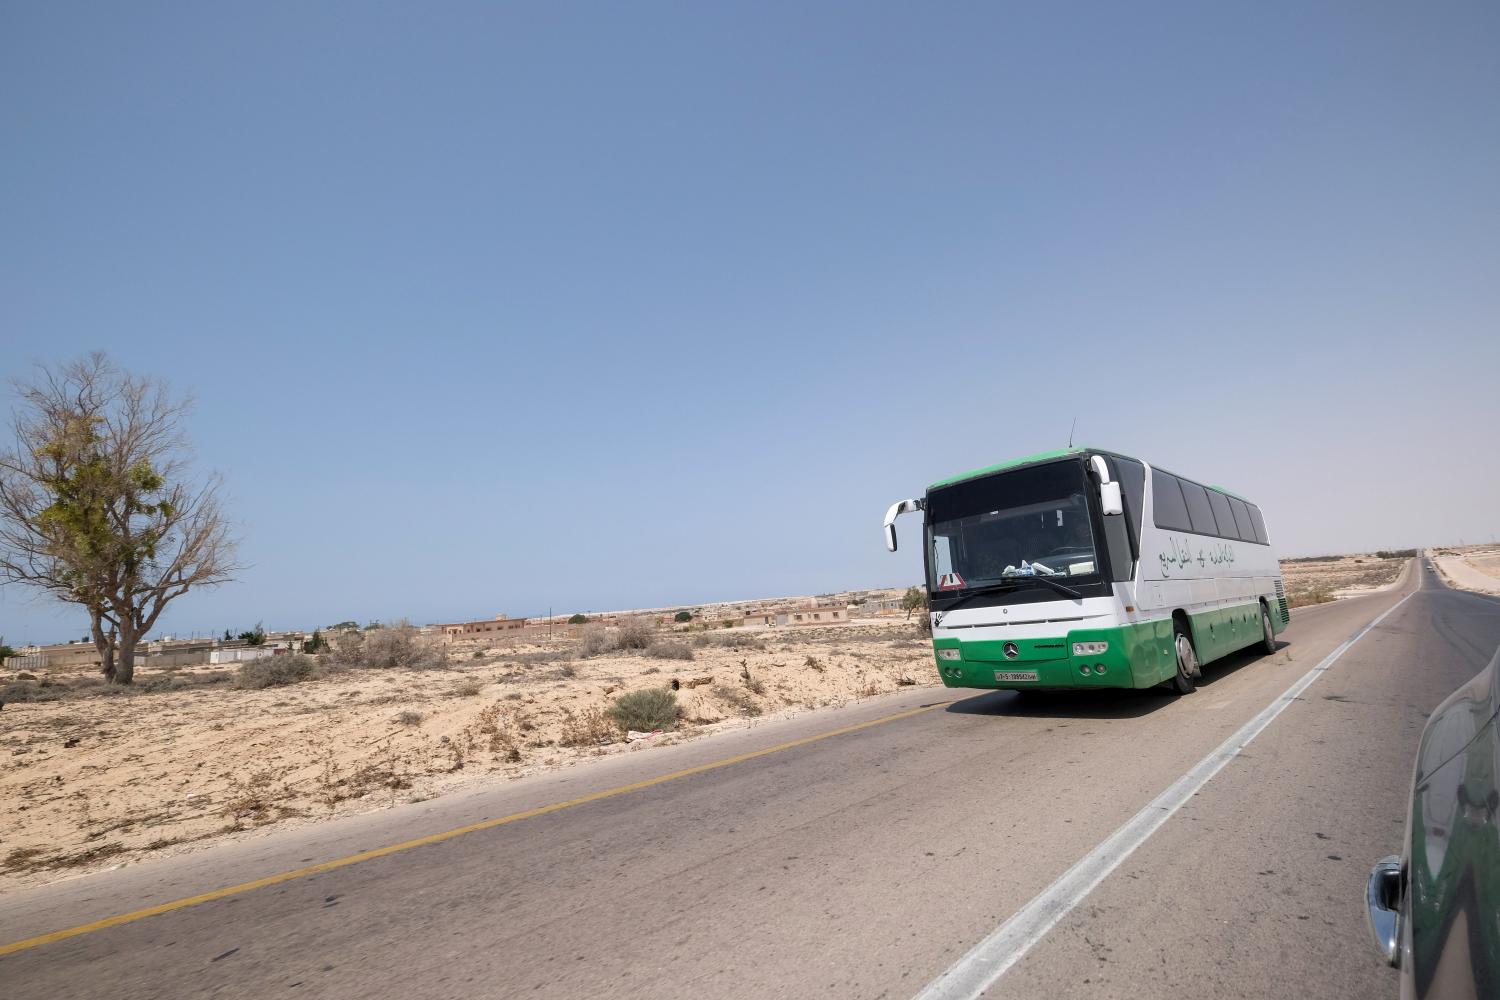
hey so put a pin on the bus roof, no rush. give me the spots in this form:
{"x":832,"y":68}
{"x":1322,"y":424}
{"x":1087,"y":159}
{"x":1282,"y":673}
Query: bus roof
{"x":1048,"y":456}
{"x":1015,"y":463}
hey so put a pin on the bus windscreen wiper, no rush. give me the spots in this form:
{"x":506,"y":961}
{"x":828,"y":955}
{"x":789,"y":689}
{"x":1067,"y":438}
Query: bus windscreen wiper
{"x":1059,"y":587}
{"x":966,"y":598}
{"x":1009,"y":583}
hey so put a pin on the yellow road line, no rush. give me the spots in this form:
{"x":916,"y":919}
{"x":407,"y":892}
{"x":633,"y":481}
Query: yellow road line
{"x":435,"y":838}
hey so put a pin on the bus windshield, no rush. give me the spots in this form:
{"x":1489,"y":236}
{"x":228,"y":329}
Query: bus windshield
{"x":1029,"y":522}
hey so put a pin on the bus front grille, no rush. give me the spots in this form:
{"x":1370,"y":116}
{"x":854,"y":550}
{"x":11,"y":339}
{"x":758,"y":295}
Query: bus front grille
{"x":1286,"y":615}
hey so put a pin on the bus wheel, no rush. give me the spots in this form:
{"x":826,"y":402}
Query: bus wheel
{"x":1267,"y":633}
{"x":1187,"y":663}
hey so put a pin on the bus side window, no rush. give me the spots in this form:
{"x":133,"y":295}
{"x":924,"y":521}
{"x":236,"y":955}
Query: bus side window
{"x":1242,"y":518}
{"x":1166,"y":497}
{"x":1223,"y":514}
{"x":1198,"y":508}
{"x":1258,"y":522}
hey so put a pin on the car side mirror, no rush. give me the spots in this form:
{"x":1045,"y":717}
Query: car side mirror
{"x":1383,"y":907}
{"x":1109,"y":499}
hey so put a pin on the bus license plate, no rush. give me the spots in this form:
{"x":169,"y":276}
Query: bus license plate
{"x":1014,"y":675}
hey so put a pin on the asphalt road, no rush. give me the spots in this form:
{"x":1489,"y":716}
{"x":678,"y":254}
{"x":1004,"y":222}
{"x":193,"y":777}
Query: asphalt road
{"x":863,"y":864}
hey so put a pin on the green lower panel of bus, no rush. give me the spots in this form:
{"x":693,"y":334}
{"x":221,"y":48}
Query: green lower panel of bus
{"x":1140,"y":655}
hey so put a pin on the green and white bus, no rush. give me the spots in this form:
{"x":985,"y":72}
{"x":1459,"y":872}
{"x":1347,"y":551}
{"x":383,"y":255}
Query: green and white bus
{"x":1084,"y":568}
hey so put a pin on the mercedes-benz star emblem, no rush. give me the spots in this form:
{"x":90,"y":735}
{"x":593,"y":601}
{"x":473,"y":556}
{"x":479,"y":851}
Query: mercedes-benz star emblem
{"x":1011,"y":652}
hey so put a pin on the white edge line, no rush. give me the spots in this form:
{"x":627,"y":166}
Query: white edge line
{"x":991,"y":958}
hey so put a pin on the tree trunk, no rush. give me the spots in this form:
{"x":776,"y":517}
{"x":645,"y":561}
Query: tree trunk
{"x":125,"y":665}
{"x":125,"y":654}
{"x":104,"y":642}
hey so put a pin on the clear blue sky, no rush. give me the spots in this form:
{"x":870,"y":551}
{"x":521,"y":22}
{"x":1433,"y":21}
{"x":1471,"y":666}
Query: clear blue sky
{"x":494,"y":308}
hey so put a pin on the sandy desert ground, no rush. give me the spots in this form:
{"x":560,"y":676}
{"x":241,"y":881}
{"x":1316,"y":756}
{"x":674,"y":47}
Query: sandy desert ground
{"x":1328,"y":578}
{"x":93,"y":776}
{"x":100,"y":776}
{"x":1469,"y":567}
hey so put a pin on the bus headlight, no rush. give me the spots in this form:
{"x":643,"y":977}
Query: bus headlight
{"x":1090,"y":648}
{"x":948,"y":654}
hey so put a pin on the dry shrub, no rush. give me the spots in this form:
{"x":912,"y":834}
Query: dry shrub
{"x":1317,"y":595}
{"x":666,"y":649}
{"x":646,"y":710}
{"x":398,"y":645}
{"x":635,"y":633}
{"x":589,"y":728}
{"x":275,"y":671}
{"x":19,"y":691}
{"x":738,"y":700}
{"x":469,"y":688}
{"x":253,"y":797}
{"x":495,"y":729}
{"x":632,"y":634}
{"x":409,"y":717}
{"x":737,"y":640}
{"x":594,"y":640}
{"x":530,"y":658}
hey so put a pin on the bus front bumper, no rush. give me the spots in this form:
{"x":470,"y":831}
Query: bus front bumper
{"x":1057,"y":663}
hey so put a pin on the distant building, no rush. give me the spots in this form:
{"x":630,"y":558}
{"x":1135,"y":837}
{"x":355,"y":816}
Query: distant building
{"x":497,"y":625}
{"x":821,"y":614}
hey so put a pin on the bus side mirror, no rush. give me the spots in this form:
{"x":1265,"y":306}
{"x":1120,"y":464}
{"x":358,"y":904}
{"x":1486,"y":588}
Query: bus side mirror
{"x":1109,"y":499}
{"x":896,"y":510}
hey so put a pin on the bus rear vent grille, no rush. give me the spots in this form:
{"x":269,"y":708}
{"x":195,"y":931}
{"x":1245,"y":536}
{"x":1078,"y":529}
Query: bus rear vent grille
{"x":1286,"y":616}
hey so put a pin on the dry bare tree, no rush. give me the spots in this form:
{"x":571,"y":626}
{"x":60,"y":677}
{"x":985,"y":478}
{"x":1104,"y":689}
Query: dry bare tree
{"x":98,"y":507}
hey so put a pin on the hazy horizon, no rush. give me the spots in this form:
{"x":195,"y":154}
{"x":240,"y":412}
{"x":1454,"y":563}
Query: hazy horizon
{"x":491,"y":310}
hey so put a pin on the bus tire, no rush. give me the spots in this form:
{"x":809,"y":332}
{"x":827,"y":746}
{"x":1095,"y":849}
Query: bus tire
{"x":1185,"y":681}
{"x":1267,"y":633}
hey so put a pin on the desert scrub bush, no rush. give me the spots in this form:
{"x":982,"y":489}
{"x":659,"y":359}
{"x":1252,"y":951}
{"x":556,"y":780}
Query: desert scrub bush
{"x":738,"y":700}
{"x":397,"y":645}
{"x":1317,"y":595}
{"x":19,"y":691}
{"x":409,"y":717}
{"x":738,"y":640}
{"x":588,"y":728}
{"x":593,"y":640}
{"x":275,"y":671}
{"x":596,"y":639}
{"x":495,"y":729}
{"x":635,"y":633}
{"x":666,"y":649}
{"x":645,"y":710}
{"x":531,"y":658}
{"x":468,"y":689}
